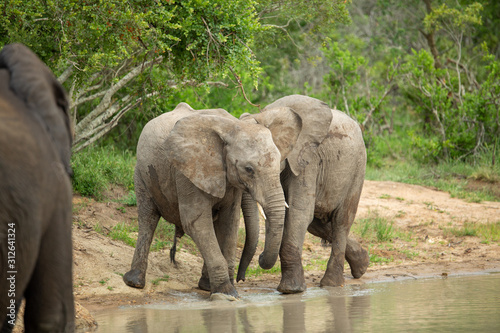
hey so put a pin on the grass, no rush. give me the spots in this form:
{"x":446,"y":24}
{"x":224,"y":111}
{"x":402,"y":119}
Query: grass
{"x":379,"y":234}
{"x":320,"y":264}
{"x":104,"y":281}
{"x":376,"y":259}
{"x":164,"y":236}
{"x":129,"y":200}
{"x":487,"y":232}
{"x":122,"y":232}
{"x":258,"y":271}
{"x":96,"y":168}
{"x":374,"y":228}
{"x":157,"y":281}
{"x":453,"y":177}
{"x":393,"y":157}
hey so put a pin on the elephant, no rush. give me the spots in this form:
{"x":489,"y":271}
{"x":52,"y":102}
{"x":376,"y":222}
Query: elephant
{"x":323,"y":167}
{"x":35,"y":195}
{"x":192,"y":167}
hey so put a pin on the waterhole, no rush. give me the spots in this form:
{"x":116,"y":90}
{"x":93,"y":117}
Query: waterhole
{"x":467,"y":303}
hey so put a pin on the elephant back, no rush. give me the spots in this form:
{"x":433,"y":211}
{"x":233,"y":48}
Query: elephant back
{"x":34,"y":84}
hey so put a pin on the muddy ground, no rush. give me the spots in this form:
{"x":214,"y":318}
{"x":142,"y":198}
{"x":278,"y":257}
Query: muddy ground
{"x":422,"y":247}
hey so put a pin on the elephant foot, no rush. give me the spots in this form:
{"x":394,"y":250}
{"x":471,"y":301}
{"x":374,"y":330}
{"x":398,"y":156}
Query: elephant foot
{"x":227,"y":289}
{"x":332,"y":281}
{"x":204,"y":283}
{"x":292,"y":282}
{"x":292,"y":273}
{"x":135,"y":278}
{"x":291,"y":287}
{"x":357,"y":257}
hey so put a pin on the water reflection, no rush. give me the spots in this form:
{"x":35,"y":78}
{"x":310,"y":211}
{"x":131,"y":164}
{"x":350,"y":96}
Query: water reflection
{"x":468,"y":303}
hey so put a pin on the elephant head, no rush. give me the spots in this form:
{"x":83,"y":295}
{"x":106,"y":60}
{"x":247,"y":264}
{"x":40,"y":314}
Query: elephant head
{"x":33,"y":82}
{"x":298,"y":125}
{"x":214,"y":152}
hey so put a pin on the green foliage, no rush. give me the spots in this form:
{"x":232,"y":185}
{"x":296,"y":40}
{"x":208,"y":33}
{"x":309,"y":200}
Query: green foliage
{"x":376,"y":259}
{"x":130,"y":199}
{"x":374,"y":228}
{"x":122,"y":231}
{"x":357,"y":86}
{"x":459,"y":104}
{"x":453,"y":19}
{"x":450,"y":175}
{"x":487,"y":232}
{"x":96,"y":168}
{"x":163,"y":236}
{"x":258,"y":271}
{"x":157,"y":281}
{"x":197,"y":37}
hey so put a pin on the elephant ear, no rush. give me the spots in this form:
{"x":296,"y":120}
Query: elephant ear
{"x":284,"y":125}
{"x":315,"y":118}
{"x":44,"y":96}
{"x":195,"y":147}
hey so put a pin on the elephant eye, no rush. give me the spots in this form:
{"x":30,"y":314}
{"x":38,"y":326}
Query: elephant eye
{"x":249,"y":170}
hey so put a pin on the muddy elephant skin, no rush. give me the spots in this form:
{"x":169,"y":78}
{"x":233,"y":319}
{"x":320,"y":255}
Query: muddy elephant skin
{"x":192,"y":168}
{"x":323,"y":167}
{"x":35,"y":195}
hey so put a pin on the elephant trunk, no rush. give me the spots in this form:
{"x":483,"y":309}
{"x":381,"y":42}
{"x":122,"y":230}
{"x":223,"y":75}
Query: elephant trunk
{"x":251,"y":218}
{"x":274,"y":208}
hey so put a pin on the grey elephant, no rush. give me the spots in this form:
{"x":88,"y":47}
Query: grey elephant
{"x":323,"y":167}
{"x":35,"y":195}
{"x":192,"y":167}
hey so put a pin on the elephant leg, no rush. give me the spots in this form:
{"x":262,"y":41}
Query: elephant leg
{"x":341,"y":223}
{"x":148,"y":220}
{"x":204,"y":282}
{"x":356,"y":256}
{"x":226,"y":230}
{"x":195,"y":209}
{"x":334,"y":275}
{"x":301,"y":198}
{"x":49,"y":294}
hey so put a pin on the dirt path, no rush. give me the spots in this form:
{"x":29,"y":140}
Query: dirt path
{"x":422,"y":246}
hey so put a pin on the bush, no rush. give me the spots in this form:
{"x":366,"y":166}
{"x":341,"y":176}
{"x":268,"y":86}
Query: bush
{"x":98,"y":167}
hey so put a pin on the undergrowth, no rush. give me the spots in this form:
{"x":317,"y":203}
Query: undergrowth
{"x":96,"y":168}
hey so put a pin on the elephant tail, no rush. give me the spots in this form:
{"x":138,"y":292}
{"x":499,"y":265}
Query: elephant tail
{"x":178,"y":234}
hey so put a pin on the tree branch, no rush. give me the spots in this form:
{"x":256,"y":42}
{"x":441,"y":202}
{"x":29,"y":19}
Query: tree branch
{"x":242,"y":89}
{"x":66,"y":74}
{"x":106,"y":100}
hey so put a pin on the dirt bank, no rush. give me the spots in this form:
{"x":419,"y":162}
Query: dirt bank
{"x":424,"y":216}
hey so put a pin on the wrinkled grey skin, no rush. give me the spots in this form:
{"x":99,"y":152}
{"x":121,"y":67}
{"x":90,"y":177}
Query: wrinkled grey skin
{"x":192,"y":167}
{"x":323,"y":168}
{"x":35,"y":194}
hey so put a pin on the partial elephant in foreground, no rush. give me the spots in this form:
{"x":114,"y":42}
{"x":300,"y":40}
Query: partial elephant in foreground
{"x":192,"y":167}
{"x":323,"y":168}
{"x":35,"y":195}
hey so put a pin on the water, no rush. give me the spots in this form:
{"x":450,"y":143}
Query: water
{"x":455,"y":304}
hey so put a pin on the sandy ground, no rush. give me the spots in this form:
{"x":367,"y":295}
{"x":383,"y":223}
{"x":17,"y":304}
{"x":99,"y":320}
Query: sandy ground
{"x":422,"y":213}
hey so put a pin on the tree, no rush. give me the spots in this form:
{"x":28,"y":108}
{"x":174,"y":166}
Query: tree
{"x":457,"y":86}
{"x":116,"y":55}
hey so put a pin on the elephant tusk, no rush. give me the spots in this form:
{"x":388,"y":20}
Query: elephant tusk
{"x":286,"y":205}
{"x":262,"y":211}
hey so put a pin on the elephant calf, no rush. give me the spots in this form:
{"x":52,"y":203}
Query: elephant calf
{"x":192,"y":167}
{"x":35,"y":195}
{"x":323,"y":167}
